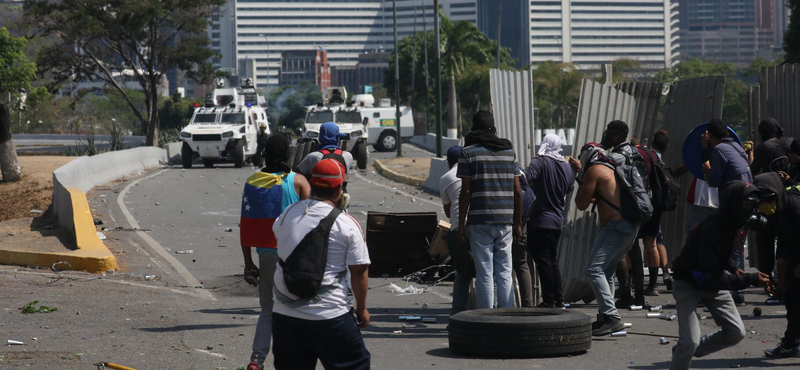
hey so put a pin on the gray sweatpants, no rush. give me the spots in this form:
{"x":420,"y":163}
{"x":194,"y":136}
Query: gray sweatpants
{"x":691,"y":343}
{"x":267,"y":264}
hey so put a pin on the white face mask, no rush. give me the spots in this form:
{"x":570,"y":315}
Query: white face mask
{"x":344,"y":202}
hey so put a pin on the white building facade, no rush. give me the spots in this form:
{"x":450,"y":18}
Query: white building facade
{"x":262,"y":29}
{"x":590,"y":33}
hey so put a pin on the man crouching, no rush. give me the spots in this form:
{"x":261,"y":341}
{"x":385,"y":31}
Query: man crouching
{"x":704,"y":270}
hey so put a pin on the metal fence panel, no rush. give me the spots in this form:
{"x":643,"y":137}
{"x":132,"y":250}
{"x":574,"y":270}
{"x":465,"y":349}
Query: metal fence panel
{"x":702,"y":98}
{"x":688,"y":104}
{"x":777,"y":97}
{"x":512,"y":105}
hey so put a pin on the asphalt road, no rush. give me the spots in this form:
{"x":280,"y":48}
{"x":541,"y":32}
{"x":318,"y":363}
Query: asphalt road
{"x":151,"y":315}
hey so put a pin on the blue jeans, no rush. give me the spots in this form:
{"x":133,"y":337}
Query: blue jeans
{"x":267,"y":263}
{"x":491,"y":250}
{"x":611,"y":244}
{"x":337,"y":343}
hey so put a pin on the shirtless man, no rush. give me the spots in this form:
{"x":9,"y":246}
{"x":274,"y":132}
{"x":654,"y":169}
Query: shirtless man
{"x":616,"y":234}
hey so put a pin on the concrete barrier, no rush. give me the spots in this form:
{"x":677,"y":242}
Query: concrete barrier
{"x":72,"y":181}
{"x":438,"y":168}
{"x":428,"y":142}
{"x":173,"y":152}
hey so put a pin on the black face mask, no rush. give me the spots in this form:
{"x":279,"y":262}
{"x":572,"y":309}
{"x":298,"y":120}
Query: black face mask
{"x":749,"y":214}
{"x":607,"y":141}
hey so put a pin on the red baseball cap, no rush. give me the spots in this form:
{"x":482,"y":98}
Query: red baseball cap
{"x":327,"y":174}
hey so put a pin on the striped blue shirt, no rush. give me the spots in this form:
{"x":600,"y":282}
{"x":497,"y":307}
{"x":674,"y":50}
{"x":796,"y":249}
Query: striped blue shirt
{"x":492,"y":175}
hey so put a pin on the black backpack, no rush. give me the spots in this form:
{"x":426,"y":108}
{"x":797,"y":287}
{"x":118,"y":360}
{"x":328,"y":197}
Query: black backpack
{"x":664,"y":189}
{"x":630,"y":172}
{"x":304,"y":269}
{"x":334,"y":154}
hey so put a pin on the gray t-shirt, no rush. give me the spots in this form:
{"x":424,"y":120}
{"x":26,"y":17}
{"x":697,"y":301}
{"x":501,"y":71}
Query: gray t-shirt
{"x":450,"y":190}
{"x":313,"y":158}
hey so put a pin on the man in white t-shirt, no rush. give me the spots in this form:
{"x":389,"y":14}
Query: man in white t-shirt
{"x":450,"y":190}
{"x":322,"y":327}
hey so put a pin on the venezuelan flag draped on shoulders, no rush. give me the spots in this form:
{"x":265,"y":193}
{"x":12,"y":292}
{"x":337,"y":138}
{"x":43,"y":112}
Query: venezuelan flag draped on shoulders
{"x":262,"y":203}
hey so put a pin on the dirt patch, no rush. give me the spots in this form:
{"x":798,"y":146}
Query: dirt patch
{"x":33,"y":191}
{"x":414,"y":167}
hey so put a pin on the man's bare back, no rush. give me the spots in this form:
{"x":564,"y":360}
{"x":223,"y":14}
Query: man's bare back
{"x":599,"y":180}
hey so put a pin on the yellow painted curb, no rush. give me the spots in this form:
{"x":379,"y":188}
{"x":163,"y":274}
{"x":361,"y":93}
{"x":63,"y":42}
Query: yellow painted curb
{"x":92,"y":255}
{"x":393,"y":175}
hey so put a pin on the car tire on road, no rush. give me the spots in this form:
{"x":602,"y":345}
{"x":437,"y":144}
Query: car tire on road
{"x":387,"y":142}
{"x":362,"y":154}
{"x":208,"y":163}
{"x":238,"y":154}
{"x":186,"y":155}
{"x":520,"y":332}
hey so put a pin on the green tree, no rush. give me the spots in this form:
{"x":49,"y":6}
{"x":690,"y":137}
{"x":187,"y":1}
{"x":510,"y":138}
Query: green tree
{"x":556,"y":91}
{"x":791,"y":39}
{"x":16,"y":73}
{"x":176,"y":112}
{"x":106,"y":41}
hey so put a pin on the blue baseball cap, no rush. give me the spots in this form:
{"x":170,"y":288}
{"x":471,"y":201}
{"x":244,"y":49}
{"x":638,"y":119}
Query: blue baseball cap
{"x":453,"y":153}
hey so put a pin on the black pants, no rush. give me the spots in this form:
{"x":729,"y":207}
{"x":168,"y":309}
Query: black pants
{"x":337,"y":343}
{"x":792,"y":296}
{"x":519,"y":263}
{"x":543,"y":247}
{"x":637,"y":268}
{"x":766,"y":251}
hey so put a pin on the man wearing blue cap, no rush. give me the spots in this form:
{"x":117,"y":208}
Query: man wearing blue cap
{"x":329,"y":137}
{"x":450,"y":190}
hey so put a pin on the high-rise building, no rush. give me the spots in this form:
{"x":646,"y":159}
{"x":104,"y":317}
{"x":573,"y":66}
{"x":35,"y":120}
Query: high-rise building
{"x":263,"y":29}
{"x":592,"y":33}
{"x":370,"y":70}
{"x":514,"y":32}
{"x":305,"y":66}
{"x":732,"y":31}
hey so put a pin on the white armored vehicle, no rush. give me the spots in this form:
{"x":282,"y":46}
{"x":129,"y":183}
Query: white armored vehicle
{"x":226,"y":128}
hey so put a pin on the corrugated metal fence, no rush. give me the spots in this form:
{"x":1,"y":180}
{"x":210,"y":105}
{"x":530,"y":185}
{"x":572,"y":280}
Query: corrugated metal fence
{"x":688,"y":104}
{"x":777,"y":97}
{"x":599,"y":104}
{"x":512,"y":105}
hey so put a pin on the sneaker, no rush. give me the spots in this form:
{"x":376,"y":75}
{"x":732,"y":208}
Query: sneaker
{"x":624,"y":303}
{"x":650,"y":290}
{"x":561,"y":304}
{"x":546,"y":305}
{"x":668,"y":283}
{"x":639,"y":301}
{"x":738,"y":298}
{"x":597,"y":323}
{"x":610,"y":325}
{"x":254,"y":366}
{"x":782,"y":351}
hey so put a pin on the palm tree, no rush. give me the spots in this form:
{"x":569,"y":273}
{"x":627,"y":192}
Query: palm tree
{"x":463,"y":44}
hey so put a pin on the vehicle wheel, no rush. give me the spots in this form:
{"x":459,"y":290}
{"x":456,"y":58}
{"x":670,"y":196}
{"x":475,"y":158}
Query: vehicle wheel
{"x":186,"y":155}
{"x":238,"y":154}
{"x":208,"y":163}
{"x":387,"y":142}
{"x":362,"y":155}
{"x":520,"y":332}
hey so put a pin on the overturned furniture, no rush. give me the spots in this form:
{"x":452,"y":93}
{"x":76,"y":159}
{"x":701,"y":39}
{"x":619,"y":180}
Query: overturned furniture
{"x":400,"y":241}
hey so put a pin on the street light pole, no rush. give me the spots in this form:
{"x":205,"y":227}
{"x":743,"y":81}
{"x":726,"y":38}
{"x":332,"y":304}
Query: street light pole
{"x":438,"y":80}
{"x":397,"y":81}
{"x":499,"y":28}
{"x":266,"y":41}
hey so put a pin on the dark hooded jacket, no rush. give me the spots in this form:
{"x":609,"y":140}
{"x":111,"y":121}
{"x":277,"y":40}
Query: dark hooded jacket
{"x":705,"y":260}
{"x":785,"y":223}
